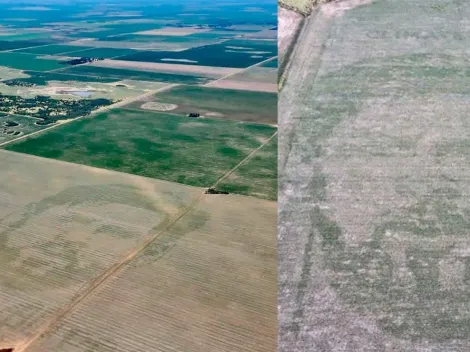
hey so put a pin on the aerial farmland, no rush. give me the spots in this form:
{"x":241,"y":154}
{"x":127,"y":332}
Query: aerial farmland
{"x":138,"y":146}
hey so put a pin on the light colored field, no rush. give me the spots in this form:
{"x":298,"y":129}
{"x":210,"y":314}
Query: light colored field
{"x":11,"y":73}
{"x":208,"y":284}
{"x":174,"y":31}
{"x":302,"y":6}
{"x":167,"y":68}
{"x":374,"y":181}
{"x":161,"y":46}
{"x":156,"y":106}
{"x":244,"y":85}
{"x":62,"y":225}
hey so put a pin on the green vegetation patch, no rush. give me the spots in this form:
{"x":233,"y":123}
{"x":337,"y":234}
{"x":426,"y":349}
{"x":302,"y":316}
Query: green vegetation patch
{"x":104,"y":53}
{"x":28,"y":62}
{"x":196,"y":152}
{"x":11,"y":45}
{"x":222,"y":103}
{"x":232,"y":53}
{"x":257,"y":177}
{"x":41,"y":78}
{"x":52,"y":49}
{"x":14,"y":126}
{"x":121,"y":74}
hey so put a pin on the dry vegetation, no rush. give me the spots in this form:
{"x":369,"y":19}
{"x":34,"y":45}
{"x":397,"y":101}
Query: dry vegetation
{"x":206,"y":285}
{"x":374,"y":182}
{"x":64,"y":224}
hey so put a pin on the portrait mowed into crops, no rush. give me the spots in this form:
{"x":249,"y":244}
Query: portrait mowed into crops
{"x":374,"y":207}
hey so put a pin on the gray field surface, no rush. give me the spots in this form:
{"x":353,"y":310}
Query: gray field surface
{"x":131,"y":263}
{"x":374,"y":246}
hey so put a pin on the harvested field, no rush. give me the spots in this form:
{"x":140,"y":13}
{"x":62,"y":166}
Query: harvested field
{"x":257,"y":75}
{"x":244,"y":85}
{"x":125,"y":74}
{"x":228,"y":104}
{"x":211,"y":71}
{"x":208,"y":284}
{"x":377,"y":97}
{"x":105,"y":53}
{"x":157,"y":45}
{"x":64,"y":224}
{"x":174,"y":31}
{"x":51,"y":49}
{"x":257,"y":177}
{"x":170,"y":147}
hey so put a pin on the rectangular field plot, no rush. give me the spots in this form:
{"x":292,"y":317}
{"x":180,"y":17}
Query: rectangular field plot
{"x":263,"y":79}
{"x":120,"y":74}
{"x":257,"y":177}
{"x":227,"y":104}
{"x":14,"y":126}
{"x":232,"y":53}
{"x":175,"y":148}
{"x":17,"y":44}
{"x":28,"y":62}
{"x":51,"y":49}
{"x":41,"y":78}
{"x":62,"y":225}
{"x":105,"y":53}
{"x":208,"y":284}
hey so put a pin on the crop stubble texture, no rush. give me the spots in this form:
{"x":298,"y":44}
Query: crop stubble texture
{"x":207,"y":284}
{"x":61,"y":225}
{"x":374,"y":202}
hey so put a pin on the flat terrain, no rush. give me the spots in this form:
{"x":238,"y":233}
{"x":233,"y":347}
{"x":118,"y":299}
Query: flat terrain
{"x":76,"y":241}
{"x":62,"y":225}
{"x":165,"y":146}
{"x":205,"y":285}
{"x":257,"y":176}
{"x":227,"y":104}
{"x":374,"y":189}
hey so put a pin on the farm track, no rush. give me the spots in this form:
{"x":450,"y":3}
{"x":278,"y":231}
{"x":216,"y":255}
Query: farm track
{"x":102,"y":280}
{"x":125,"y":102}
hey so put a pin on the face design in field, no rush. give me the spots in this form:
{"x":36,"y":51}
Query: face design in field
{"x":394,"y":225}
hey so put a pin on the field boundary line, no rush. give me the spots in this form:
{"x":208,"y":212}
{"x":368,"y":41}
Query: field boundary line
{"x":247,"y":158}
{"x":241,"y":71}
{"x":94,"y":112}
{"x":97,"y":282}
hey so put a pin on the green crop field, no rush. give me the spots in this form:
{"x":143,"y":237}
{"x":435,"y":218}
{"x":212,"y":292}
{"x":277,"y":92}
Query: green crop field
{"x":121,"y":74}
{"x":258,"y":176}
{"x":105,"y":53}
{"x":52,"y":49}
{"x":221,"y":103}
{"x":28,"y":62}
{"x":170,"y":147}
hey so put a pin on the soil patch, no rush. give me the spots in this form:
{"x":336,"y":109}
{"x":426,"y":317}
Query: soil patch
{"x":153,"y":105}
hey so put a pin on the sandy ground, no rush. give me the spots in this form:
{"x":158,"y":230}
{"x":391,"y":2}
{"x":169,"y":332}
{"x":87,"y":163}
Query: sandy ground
{"x":163,"y":67}
{"x":288,"y":25}
{"x":173,"y":31}
{"x":253,"y":86}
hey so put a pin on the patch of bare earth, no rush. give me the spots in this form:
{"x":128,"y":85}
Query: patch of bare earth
{"x":338,"y":8}
{"x":251,"y":86}
{"x":288,"y":25}
{"x":163,"y":67}
{"x":173,"y":31}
